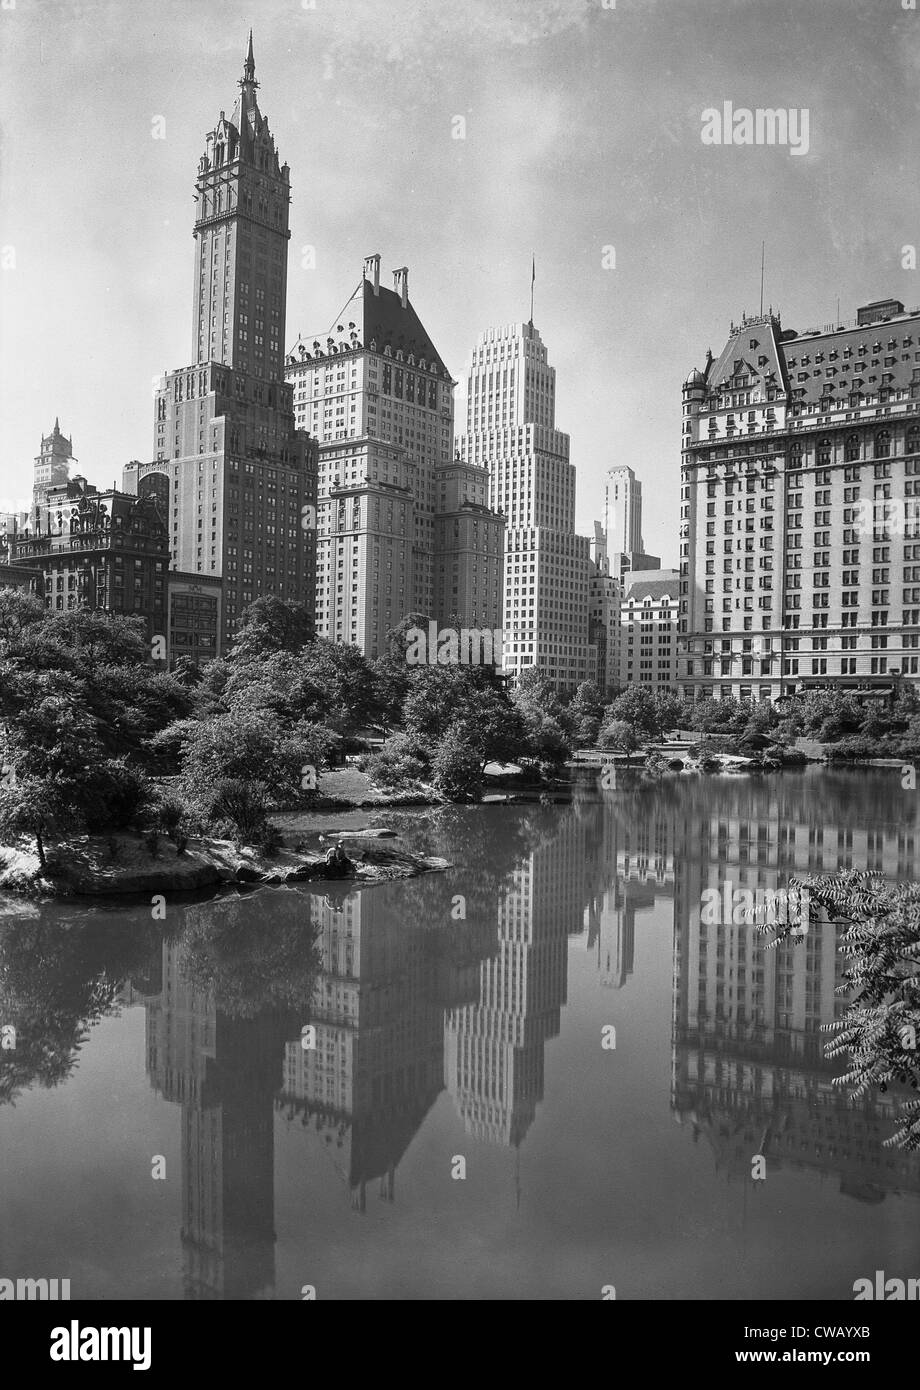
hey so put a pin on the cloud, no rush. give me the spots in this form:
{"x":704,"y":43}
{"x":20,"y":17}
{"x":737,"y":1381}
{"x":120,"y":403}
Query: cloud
{"x":416,"y":32}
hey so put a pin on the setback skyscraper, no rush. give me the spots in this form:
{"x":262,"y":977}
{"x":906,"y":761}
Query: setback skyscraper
{"x":511,"y":430}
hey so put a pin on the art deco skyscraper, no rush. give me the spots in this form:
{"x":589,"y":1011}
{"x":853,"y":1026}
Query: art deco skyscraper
{"x":623,"y":510}
{"x":511,"y":429}
{"x":234,"y":477}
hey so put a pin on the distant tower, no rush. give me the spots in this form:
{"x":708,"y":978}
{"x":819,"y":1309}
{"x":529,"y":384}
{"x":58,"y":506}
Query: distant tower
{"x":52,"y":468}
{"x":623,"y":511}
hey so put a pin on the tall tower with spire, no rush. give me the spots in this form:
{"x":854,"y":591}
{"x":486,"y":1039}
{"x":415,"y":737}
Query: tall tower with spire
{"x":241,"y":233}
{"x":52,"y":467}
{"x":240,"y":477}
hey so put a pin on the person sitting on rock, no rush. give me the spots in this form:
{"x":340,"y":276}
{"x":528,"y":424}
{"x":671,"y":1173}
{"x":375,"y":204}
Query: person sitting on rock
{"x":337,"y":861}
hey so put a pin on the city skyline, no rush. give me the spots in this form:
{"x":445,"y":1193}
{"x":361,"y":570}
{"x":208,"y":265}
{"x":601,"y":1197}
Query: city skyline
{"x":633,"y":114}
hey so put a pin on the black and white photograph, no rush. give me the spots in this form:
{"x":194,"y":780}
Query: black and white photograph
{"x":460,"y":668}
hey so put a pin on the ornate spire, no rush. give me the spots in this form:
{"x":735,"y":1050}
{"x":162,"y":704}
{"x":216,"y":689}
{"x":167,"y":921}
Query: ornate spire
{"x":249,"y":67}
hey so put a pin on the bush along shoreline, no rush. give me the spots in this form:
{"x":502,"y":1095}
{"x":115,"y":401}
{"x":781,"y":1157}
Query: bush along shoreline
{"x":97,"y":741}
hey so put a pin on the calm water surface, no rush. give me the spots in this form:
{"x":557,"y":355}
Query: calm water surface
{"x":176,"y":1047}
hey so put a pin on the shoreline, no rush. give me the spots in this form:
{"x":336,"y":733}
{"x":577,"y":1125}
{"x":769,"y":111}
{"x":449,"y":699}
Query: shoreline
{"x":86,"y":867}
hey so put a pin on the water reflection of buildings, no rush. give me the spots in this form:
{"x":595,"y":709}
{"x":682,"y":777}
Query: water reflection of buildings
{"x":631,"y":864}
{"x":748,"y":1064}
{"x":377,"y":1066}
{"x":494,"y":1048}
{"x":408,"y":1000}
{"x":223,"y":1072}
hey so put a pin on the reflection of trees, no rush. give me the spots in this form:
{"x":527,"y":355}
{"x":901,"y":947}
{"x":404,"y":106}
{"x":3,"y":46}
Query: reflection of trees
{"x":249,"y":966}
{"x":58,"y":977}
{"x":492,"y":840}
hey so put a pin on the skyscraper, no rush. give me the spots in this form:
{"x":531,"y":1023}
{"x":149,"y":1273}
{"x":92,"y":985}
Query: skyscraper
{"x":403,"y":526}
{"x":511,"y":430}
{"x":235,"y":477}
{"x":800,"y":519}
{"x":623,"y":510}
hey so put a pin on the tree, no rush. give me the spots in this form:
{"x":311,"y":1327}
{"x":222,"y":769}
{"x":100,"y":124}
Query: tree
{"x":442,"y":696}
{"x":457,"y":765}
{"x":391,"y":683}
{"x":32,"y":807}
{"x":249,"y":746}
{"x":880,"y":1029}
{"x":619,"y":734}
{"x":547,"y":736}
{"x":718,"y":716}
{"x":398,"y":639}
{"x":272,"y":624}
{"x":82,"y":640}
{"x":638,"y":708}
{"x":673,"y":712}
{"x":18,"y":610}
{"x":585,"y":713}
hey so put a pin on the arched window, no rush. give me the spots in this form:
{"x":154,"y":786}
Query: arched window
{"x":851,"y":449}
{"x":882,"y":445}
{"x":796,"y":452}
{"x":912,"y":442}
{"x":824,"y":451}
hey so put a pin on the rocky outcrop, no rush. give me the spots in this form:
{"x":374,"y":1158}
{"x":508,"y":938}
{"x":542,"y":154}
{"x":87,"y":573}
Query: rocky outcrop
{"x":124,"y":865}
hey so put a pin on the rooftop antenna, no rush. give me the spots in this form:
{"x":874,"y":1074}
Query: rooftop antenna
{"x":533,"y":276}
{"x":762,"y":249}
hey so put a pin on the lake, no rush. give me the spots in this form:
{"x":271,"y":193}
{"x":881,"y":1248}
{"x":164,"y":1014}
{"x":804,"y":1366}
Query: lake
{"x":535,"y":1076}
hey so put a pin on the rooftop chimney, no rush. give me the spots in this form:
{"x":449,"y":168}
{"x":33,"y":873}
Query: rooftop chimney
{"x":401,"y":284}
{"x":372,"y":271}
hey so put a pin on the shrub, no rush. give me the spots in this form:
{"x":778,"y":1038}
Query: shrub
{"x":240,"y":806}
{"x":400,"y":764}
{"x":173,"y":816}
{"x":269,"y":840}
{"x":456,"y":766}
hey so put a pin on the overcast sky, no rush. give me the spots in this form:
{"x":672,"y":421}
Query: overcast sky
{"x":583,"y":131}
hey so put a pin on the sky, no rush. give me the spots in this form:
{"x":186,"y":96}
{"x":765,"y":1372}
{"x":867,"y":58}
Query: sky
{"x":581,"y":147}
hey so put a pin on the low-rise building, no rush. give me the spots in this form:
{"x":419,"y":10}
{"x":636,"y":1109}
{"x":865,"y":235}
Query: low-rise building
{"x":100,"y":550}
{"x":648,"y":629}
